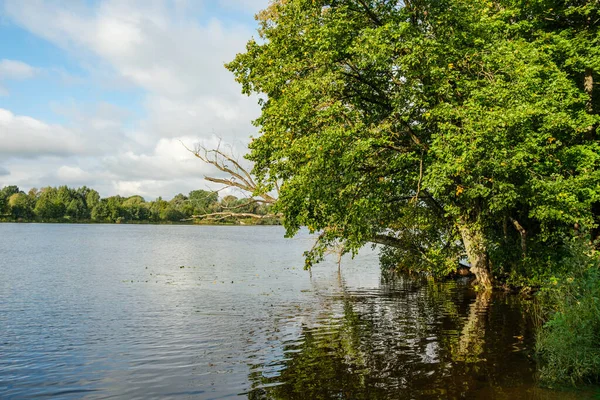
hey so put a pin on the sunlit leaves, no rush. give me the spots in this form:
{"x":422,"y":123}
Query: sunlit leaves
{"x":406,"y":120}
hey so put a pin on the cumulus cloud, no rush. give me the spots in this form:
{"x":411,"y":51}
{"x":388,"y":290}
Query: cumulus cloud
{"x":89,"y":133}
{"x":28,"y":137}
{"x":203,"y":116}
{"x":167,"y":169}
{"x":55,"y":171}
{"x":168,"y":160}
{"x":174,"y":52}
{"x":73,"y":174}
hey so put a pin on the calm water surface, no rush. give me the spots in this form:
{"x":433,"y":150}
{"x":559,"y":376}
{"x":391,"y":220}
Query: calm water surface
{"x":101,"y":311}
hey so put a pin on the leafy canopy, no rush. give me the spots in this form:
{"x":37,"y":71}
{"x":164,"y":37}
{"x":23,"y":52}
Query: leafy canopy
{"x":420,"y":123}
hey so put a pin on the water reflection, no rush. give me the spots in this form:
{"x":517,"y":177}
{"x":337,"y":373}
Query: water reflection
{"x":472,"y":338}
{"x":408,"y":339}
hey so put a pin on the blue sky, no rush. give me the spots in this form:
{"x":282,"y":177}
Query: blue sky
{"x":60,"y":79}
{"x":102,"y":93}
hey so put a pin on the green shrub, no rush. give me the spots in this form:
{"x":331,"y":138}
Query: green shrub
{"x":569,"y":342}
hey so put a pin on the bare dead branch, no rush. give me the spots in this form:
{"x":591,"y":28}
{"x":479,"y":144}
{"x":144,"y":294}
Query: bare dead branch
{"x":239,"y":177}
{"x":229,"y":183}
{"x":523,"y":234}
{"x":237,"y":165}
{"x":249,"y":202}
{"x":214,"y":159}
{"x":227,"y":214}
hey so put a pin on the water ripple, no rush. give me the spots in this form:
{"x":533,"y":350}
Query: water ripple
{"x":139,"y":312}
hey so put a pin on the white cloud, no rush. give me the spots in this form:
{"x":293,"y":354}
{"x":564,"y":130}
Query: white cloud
{"x":165,"y":170}
{"x":22,"y":136}
{"x":11,"y":69}
{"x":169,"y":168}
{"x":95,"y":132}
{"x":203,"y":116}
{"x":55,"y":171}
{"x":174,"y":53}
{"x":14,"y":70}
{"x":64,"y":77}
{"x":73,"y":174}
{"x":168,"y":160}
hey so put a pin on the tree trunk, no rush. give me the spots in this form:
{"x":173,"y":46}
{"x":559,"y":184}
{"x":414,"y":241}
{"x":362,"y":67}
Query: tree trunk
{"x":478,"y":255}
{"x":588,"y":86}
{"x":523,"y":234}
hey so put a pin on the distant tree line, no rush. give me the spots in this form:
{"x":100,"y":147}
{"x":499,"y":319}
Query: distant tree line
{"x":65,"y":204}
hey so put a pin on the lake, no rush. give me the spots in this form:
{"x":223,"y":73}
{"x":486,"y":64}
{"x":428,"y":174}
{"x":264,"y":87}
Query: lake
{"x":215,"y":312}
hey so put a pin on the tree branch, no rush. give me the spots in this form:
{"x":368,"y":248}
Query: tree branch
{"x":397,"y":243}
{"x":523,"y":234}
{"x":249,"y":202}
{"x":227,"y":214}
{"x":370,"y":13}
{"x":420,"y":179}
{"x":239,"y":176}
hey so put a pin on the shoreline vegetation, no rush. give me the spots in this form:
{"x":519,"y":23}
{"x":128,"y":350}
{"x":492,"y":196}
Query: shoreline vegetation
{"x":238,"y":222}
{"x":84,"y":205}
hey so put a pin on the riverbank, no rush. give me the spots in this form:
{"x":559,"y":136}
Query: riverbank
{"x":84,"y":205}
{"x":249,"y":221}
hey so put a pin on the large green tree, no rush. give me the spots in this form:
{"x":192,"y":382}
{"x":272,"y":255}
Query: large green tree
{"x":50,"y":204}
{"x":435,"y":127}
{"x":21,"y":206}
{"x":203,"y":201}
{"x":5,"y":193}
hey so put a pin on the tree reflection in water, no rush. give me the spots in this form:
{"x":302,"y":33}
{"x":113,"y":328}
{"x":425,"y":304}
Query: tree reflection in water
{"x":409,"y":339}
